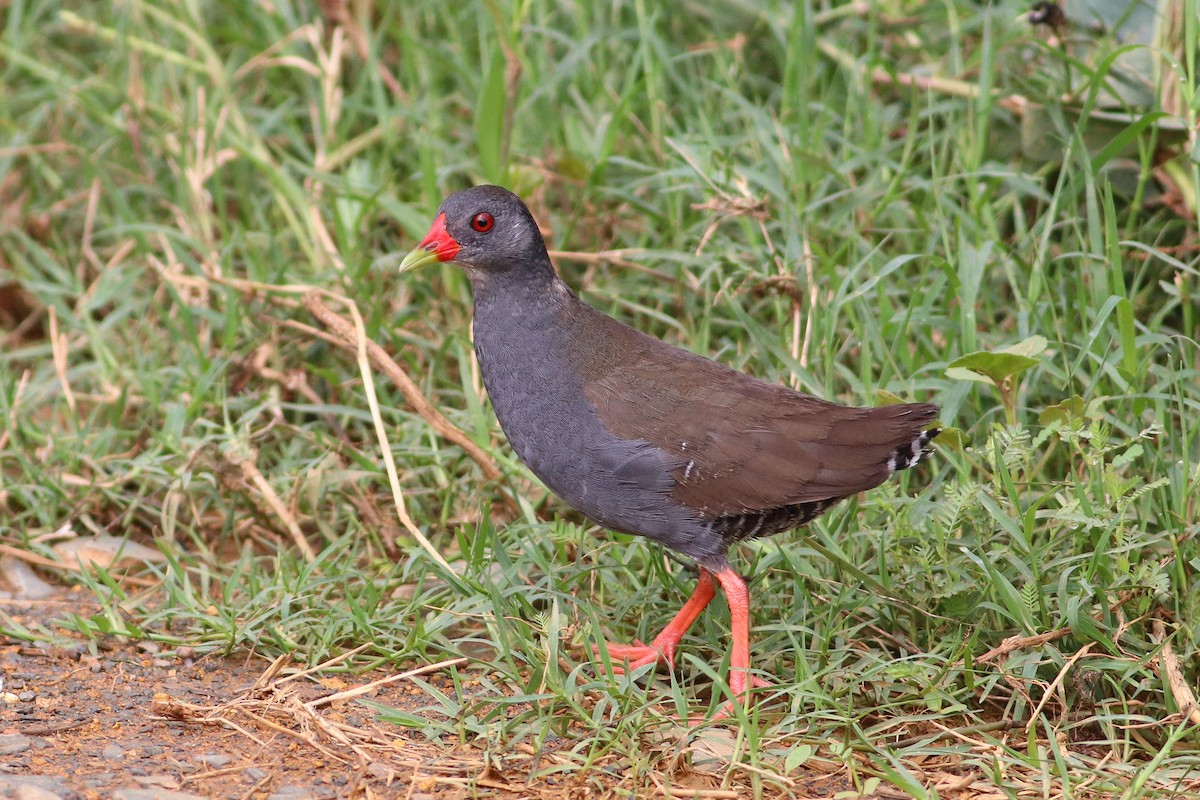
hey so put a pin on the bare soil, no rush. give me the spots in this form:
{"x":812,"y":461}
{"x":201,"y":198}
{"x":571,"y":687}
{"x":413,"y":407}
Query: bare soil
{"x":128,"y":718}
{"x":127,"y":721}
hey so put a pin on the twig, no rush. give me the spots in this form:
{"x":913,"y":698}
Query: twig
{"x":89,"y":228}
{"x":487,"y":783}
{"x":35,"y":559}
{"x":58,"y":349}
{"x":362,"y":344}
{"x":272,"y":671}
{"x":348,"y":339}
{"x":353,"y":337}
{"x":811,"y":279}
{"x":319,"y":667}
{"x":1057,"y":682}
{"x":614,"y":257}
{"x":250,"y":473}
{"x":252,"y":791}
{"x":1013,"y":643}
{"x":1014,"y":103}
{"x":273,"y":707}
{"x":16,"y":405}
{"x":51,"y":730}
{"x":7,"y":153}
{"x":953,"y":733}
{"x":367,"y":688}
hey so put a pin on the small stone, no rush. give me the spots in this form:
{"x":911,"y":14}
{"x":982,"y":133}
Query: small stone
{"x":26,"y":696}
{"x":114,"y":752}
{"x":28,"y":792}
{"x":255,"y":774}
{"x":151,"y":750}
{"x":23,"y":580}
{"x":13,"y":743}
{"x":292,"y":793}
{"x":215,"y":760}
{"x":380,"y":770}
{"x":73,"y":651}
{"x":167,"y":782}
{"x":34,"y":787}
{"x":153,"y":794}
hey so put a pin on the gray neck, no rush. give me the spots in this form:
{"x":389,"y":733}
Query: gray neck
{"x":519,"y":337}
{"x":511,"y":298}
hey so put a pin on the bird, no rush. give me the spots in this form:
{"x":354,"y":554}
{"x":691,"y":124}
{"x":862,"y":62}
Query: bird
{"x":642,"y":437}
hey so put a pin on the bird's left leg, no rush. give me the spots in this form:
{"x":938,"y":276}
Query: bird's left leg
{"x":662,"y":649}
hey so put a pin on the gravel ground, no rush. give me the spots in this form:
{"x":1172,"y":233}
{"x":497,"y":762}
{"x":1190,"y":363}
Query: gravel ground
{"x":129,"y":723}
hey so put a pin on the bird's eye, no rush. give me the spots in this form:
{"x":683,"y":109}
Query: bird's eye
{"x":482,"y":222}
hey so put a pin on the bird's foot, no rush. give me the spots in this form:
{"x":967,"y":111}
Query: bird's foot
{"x":662,"y":650}
{"x":755,"y":682}
{"x":630,"y":657}
{"x":740,"y":683}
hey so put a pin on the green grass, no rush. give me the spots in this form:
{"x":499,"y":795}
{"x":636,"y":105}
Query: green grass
{"x":785,"y":214}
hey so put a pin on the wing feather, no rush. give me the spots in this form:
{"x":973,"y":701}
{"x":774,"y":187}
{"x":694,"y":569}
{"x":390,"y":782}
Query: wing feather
{"x":741,"y":445}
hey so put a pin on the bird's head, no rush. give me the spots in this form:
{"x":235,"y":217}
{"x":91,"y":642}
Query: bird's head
{"x":485,"y":230}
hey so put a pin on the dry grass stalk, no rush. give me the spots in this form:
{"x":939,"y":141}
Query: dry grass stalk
{"x":1181,"y":691}
{"x":347,"y":338}
{"x":272,"y":706}
{"x":1014,"y":643}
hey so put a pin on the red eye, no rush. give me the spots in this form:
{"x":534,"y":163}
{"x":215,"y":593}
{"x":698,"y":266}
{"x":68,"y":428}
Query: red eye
{"x":482,"y":222}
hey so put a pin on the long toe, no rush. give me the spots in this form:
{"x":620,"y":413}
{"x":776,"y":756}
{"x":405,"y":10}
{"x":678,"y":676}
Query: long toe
{"x":630,"y":657}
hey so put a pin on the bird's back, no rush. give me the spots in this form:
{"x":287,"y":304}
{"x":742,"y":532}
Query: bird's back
{"x":741,"y":445}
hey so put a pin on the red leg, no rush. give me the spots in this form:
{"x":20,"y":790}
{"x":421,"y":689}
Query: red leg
{"x":738,"y":597}
{"x":662,"y":649}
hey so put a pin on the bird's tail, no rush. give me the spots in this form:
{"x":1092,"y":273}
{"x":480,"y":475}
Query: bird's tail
{"x":914,"y":452}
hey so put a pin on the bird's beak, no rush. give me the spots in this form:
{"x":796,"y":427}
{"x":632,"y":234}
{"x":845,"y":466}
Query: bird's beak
{"x":438,"y":245}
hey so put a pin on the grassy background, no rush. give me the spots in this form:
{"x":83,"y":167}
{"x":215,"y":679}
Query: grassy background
{"x":771,"y":189}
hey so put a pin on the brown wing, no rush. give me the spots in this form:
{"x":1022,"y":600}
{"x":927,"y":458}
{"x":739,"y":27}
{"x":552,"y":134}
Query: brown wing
{"x":743,"y":445}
